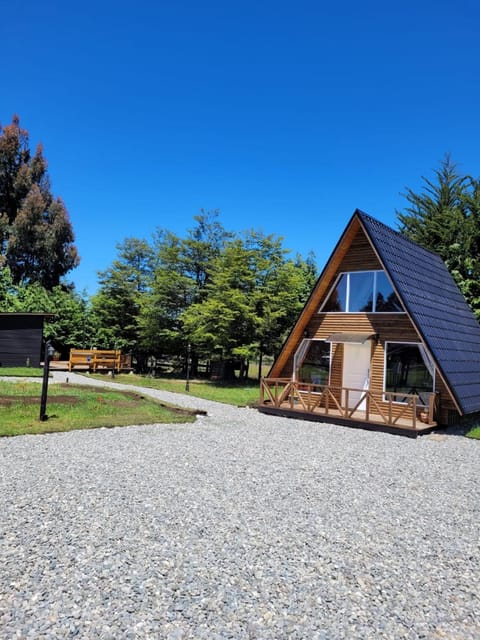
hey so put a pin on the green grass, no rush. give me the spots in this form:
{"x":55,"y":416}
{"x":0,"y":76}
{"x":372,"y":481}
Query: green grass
{"x":474,"y":433}
{"x":239,"y":394}
{"x":24,"y":372}
{"x":72,"y":407}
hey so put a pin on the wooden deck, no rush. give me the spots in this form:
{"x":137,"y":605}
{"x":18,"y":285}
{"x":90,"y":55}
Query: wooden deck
{"x":97,"y":361}
{"x":323,"y":403}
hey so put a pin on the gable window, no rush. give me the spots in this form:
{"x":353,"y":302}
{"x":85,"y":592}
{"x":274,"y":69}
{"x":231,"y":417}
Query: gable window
{"x":408,"y":370}
{"x":362,"y":292}
{"x":311,"y":362}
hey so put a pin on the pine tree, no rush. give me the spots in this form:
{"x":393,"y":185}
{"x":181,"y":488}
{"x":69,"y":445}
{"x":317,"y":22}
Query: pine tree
{"x":445,"y":218}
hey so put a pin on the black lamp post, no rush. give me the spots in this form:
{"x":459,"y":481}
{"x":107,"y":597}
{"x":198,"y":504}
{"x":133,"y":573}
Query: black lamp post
{"x":187,"y":383}
{"x":49,"y":351}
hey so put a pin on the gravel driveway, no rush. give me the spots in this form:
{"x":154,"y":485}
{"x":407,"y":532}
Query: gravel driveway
{"x":241,"y":525}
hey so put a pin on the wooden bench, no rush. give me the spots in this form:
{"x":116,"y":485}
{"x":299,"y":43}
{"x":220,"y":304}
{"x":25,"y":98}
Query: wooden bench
{"x":95,"y":359}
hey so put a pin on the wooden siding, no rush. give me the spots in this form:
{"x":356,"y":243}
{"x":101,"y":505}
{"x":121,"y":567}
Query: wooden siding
{"x":20,"y":340}
{"x":360,"y":256}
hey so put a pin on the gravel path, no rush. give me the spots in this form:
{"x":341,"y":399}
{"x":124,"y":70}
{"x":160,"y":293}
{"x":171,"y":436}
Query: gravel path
{"x":238,"y":526}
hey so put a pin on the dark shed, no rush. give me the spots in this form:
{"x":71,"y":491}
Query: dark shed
{"x":21,"y":336}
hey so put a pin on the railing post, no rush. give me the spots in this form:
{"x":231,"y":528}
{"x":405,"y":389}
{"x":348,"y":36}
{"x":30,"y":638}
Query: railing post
{"x":345,"y":408}
{"x":414,"y":412}
{"x":431,"y":406}
{"x":389,"y":408}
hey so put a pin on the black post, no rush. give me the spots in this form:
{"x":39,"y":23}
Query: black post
{"x":46,"y":369}
{"x":187,"y":384}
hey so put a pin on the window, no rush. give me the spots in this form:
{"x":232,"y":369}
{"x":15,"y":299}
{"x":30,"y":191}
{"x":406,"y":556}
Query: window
{"x":408,"y":370}
{"x":311,"y":362}
{"x":363,"y":292}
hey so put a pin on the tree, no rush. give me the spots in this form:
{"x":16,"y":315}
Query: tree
{"x":445,"y":218}
{"x":281,"y":289}
{"x":117,"y":303}
{"x":467,"y":273}
{"x":254,"y":295}
{"x":36,"y":235}
{"x":203,"y":244}
{"x":39,"y":247}
{"x":182,"y":273}
{"x":73,"y":324}
{"x":172,"y":291}
{"x":8,"y":290}
{"x":229,"y":296}
{"x":309,"y":271}
{"x":222,"y":324}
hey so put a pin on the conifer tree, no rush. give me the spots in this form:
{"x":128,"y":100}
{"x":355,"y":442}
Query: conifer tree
{"x":445,"y":218}
{"x":36,"y":235}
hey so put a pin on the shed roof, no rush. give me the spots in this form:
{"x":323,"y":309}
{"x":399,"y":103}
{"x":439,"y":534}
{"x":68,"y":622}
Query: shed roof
{"x":436,"y":306}
{"x":44,"y":314}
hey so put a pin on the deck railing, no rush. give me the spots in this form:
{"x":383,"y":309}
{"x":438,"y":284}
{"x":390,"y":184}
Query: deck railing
{"x":368,"y":406}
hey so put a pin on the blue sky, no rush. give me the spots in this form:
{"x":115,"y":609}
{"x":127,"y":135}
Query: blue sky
{"x":284,"y":116}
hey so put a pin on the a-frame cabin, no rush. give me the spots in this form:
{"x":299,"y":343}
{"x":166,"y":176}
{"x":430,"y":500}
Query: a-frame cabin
{"x":386,"y":340}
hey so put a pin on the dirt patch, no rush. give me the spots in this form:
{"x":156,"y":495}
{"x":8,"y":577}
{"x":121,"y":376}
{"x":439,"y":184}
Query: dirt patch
{"x":7,"y":401}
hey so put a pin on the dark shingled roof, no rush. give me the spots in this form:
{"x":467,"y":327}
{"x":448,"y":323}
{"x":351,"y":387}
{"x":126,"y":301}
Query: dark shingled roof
{"x":436,"y":306}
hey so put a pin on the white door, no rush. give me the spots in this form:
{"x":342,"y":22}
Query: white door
{"x":356,"y":371}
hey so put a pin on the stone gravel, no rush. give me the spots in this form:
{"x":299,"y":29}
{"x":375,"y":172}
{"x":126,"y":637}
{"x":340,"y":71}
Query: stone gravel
{"x":238,"y":526}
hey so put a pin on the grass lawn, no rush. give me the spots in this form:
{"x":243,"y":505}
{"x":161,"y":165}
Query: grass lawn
{"x":239,"y":394}
{"x":474,"y":433}
{"x":23,"y":372}
{"x":74,"y":407}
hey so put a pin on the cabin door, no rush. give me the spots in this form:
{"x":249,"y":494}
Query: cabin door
{"x":356,"y":372}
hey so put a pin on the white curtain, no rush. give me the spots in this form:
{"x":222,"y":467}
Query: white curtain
{"x":299,"y":356}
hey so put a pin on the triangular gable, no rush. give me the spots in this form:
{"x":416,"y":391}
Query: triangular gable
{"x":431,"y":299}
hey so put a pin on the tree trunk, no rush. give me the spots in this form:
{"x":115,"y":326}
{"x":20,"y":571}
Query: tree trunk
{"x":260,"y":364}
